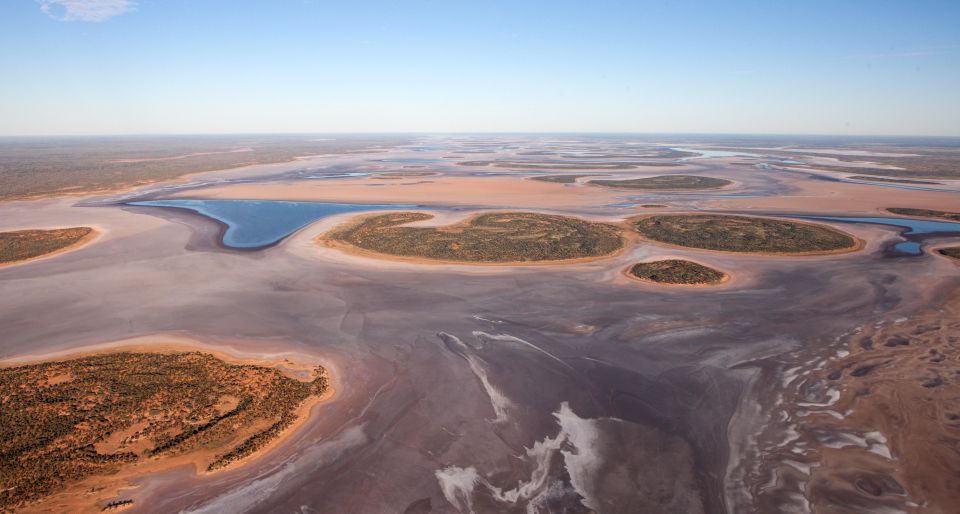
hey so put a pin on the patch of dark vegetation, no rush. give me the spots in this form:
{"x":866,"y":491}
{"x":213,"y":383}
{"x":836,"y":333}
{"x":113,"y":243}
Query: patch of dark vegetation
{"x":194,"y":430}
{"x":892,"y":180}
{"x":925,"y":213}
{"x":27,"y":244}
{"x":895,"y":341}
{"x":666,"y":182}
{"x":862,"y":371}
{"x":252,"y":443}
{"x":492,"y":237}
{"x":560,"y":179}
{"x":117,"y":505}
{"x":63,"y":421}
{"x":677,"y":271}
{"x":742,"y":234}
{"x":951,"y":251}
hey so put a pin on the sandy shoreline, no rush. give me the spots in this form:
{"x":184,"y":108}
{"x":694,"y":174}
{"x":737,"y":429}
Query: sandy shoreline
{"x":94,"y":234}
{"x":326,"y":241}
{"x":726,"y":280}
{"x":172,"y":343}
{"x":859,"y":244}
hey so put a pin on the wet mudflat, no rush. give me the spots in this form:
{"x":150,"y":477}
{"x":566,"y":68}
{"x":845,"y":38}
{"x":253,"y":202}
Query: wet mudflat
{"x":448,"y":378}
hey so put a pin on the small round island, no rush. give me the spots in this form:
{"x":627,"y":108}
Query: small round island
{"x":676,"y":272}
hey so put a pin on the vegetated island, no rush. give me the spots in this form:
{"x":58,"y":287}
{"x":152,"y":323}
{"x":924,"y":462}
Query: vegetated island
{"x":500,"y":237}
{"x":65,"y":421}
{"x":676,"y":271}
{"x":560,"y":179}
{"x":23,"y":245}
{"x":892,"y":180}
{"x":925,"y":213}
{"x":950,"y":251}
{"x":665,"y":182}
{"x":728,"y":233}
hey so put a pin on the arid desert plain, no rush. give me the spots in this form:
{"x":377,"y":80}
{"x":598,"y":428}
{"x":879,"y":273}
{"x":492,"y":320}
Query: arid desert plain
{"x":456,"y":323}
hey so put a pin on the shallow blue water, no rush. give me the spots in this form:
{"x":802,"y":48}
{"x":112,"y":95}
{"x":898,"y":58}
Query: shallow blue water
{"x":258,"y":223}
{"x":914,"y":227}
{"x":348,"y":174}
{"x":706,"y":154}
{"x":908,"y":247}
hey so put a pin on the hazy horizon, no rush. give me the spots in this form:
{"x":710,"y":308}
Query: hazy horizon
{"x":775,"y":135}
{"x":118,"y":67}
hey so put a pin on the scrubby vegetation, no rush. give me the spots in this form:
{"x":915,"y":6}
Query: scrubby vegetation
{"x":560,"y":179}
{"x":27,"y":244}
{"x":666,"y":182}
{"x":492,"y":237}
{"x":676,"y":271}
{"x":741,"y":233}
{"x":50,"y":166}
{"x":63,"y":421}
{"x":928,"y":159}
{"x":117,"y":505}
{"x":951,"y":251}
{"x":925,"y":213}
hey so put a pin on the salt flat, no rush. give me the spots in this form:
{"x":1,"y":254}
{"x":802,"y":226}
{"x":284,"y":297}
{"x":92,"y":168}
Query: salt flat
{"x":498,"y":388}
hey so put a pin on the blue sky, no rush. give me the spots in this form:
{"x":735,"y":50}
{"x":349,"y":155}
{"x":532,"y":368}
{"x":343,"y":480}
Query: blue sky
{"x":201,"y":66}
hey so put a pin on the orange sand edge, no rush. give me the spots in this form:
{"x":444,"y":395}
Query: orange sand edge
{"x":75,"y":498}
{"x":727,"y":277}
{"x":349,"y":249}
{"x":94,"y":234}
{"x":858,"y":243}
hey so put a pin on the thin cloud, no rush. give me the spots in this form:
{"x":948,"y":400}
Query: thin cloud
{"x":85,"y":10}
